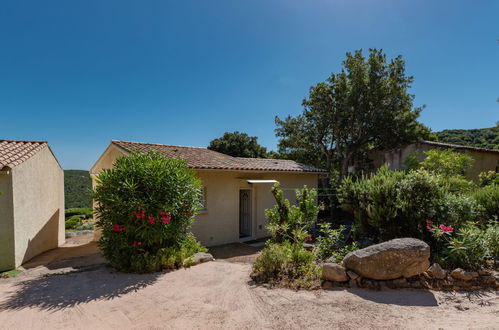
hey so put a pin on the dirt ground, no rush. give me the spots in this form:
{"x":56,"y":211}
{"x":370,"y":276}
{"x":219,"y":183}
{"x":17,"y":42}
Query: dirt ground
{"x":83,"y":293}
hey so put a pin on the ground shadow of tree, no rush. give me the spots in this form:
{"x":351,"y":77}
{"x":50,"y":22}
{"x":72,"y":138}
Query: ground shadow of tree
{"x":59,"y":291}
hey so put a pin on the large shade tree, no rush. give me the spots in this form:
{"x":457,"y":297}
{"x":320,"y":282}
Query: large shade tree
{"x":238,"y":144}
{"x":366,"y":106}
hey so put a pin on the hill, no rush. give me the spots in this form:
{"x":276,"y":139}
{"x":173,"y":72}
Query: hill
{"x":77,"y":187}
{"x":481,"y":137}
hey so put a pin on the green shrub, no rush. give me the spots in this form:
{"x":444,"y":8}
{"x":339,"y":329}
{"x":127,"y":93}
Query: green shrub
{"x":88,"y":225}
{"x":488,"y":178}
{"x":446,"y":162}
{"x":287,"y":263}
{"x":470,"y":246}
{"x":291,"y":222}
{"x":327,"y":245}
{"x":73,"y":222}
{"x":79,"y":211}
{"x":146,"y":205}
{"x":390,"y":204}
{"x":285,"y":260}
{"x":488,"y":200}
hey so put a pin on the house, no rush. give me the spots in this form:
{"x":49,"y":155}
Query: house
{"x":236,"y":191}
{"x":31,"y":201}
{"x":485,"y":159}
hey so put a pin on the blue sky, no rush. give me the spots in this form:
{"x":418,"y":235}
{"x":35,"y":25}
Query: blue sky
{"x":80,"y":73}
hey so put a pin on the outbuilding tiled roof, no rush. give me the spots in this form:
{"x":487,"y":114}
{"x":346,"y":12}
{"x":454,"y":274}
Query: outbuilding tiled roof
{"x":459,"y":147}
{"x":13,"y":153}
{"x":202,"y":158}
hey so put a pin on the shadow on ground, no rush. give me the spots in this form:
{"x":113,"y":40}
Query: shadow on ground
{"x":59,"y":291}
{"x":398,"y":297}
{"x":235,"y":252}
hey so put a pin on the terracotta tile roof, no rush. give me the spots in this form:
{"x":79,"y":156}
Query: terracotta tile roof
{"x":13,"y":153}
{"x":459,"y":147}
{"x":202,"y":158}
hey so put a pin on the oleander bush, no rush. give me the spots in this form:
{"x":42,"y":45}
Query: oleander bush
{"x":145,"y":206}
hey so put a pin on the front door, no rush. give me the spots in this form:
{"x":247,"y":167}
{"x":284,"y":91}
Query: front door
{"x":244,"y":213}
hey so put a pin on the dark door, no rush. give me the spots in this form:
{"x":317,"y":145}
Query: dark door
{"x":244,"y":213}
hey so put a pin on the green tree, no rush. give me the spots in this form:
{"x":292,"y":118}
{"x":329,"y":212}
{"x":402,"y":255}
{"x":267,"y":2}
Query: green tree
{"x":366,"y":106}
{"x":238,"y":144}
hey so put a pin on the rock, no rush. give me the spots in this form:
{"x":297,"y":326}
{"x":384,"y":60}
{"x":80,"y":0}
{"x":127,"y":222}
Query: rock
{"x":352,"y":275}
{"x":327,"y":285}
{"x":437,"y":272}
{"x":199,"y":258}
{"x":462,"y":275}
{"x":353,"y":284}
{"x":401,"y":257}
{"x":334,"y":272}
{"x":484,"y":272}
{"x":416,"y":285}
{"x":400,"y":283}
{"x":309,"y":247}
{"x":488,"y":279}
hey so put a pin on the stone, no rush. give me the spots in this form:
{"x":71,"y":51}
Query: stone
{"x":308,"y":247}
{"x":437,"y":272}
{"x":416,"y":285}
{"x":353,"y":284}
{"x":484,"y":272}
{"x":199,"y":258}
{"x":327,"y":285}
{"x":462,"y":275}
{"x":401,"y":257}
{"x":352,"y":275}
{"x":400,"y":283}
{"x":334,"y":272}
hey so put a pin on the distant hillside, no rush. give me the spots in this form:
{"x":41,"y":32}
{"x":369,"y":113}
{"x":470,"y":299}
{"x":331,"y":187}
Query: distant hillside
{"x":77,"y":186}
{"x":482,"y":137}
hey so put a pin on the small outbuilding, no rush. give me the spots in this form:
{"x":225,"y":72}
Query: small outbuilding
{"x":484,"y":159}
{"x":236,"y":191}
{"x":31,"y":201}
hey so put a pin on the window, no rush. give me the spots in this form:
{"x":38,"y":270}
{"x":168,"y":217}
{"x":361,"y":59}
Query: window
{"x":203,"y":200}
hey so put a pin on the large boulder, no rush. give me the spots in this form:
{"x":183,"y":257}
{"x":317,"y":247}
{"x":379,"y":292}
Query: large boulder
{"x":401,"y":257}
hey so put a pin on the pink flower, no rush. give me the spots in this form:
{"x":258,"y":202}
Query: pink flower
{"x":188,"y":213}
{"x":444,"y":228}
{"x":309,"y":238}
{"x":161,"y":213}
{"x":166,"y":219}
{"x":135,"y":244}
{"x":118,"y":228}
{"x":429,"y":227}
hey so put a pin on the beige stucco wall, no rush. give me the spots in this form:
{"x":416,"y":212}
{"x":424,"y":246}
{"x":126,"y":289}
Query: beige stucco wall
{"x":7,"y":248}
{"x":484,"y":161}
{"x":38,"y":200}
{"x":220,"y":223}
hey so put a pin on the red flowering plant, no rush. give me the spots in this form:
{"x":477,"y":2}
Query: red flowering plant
{"x":145,"y":207}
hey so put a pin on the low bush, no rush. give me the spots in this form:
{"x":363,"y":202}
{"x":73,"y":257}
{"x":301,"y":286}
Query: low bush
{"x":285,"y":260}
{"x":146,"y":205}
{"x":328,"y":245}
{"x":488,"y":200}
{"x":488,"y":178}
{"x":468,"y":247}
{"x":287,"y":263}
{"x":73,"y":222}
{"x":79,"y":211}
{"x":88,"y":225}
{"x":446,"y":162}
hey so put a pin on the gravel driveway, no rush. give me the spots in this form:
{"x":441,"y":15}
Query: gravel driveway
{"x":74,"y":295}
